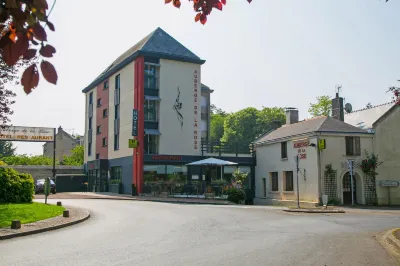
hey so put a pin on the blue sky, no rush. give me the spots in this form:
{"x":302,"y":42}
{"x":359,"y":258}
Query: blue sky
{"x":269,"y":53}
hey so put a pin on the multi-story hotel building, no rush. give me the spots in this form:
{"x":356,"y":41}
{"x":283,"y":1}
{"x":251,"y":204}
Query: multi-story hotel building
{"x":151,"y":93}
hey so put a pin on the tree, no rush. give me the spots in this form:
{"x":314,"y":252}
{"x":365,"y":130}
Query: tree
{"x":249,"y":123}
{"x":368,"y":106}
{"x":217,"y":120}
{"x":396,"y":93}
{"x":76,"y":158}
{"x":27,"y":160}
{"x":322,"y":107}
{"x":7,"y":149}
{"x":203,"y":8}
{"x":23,"y":32}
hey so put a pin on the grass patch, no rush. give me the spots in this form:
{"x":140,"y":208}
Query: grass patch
{"x":27,"y":212}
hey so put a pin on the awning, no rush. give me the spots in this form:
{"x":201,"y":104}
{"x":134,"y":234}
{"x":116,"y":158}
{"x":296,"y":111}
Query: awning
{"x":152,"y":132}
{"x":152,"y":98}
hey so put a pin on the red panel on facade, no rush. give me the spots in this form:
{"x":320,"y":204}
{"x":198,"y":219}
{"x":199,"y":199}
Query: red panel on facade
{"x":138,"y":153}
{"x":101,"y":121}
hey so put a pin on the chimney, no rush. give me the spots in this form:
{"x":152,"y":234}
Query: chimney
{"x":292,"y":115}
{"x":337,"y":108}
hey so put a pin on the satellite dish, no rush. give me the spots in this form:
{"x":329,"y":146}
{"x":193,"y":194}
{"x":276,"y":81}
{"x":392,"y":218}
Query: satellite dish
{"x":348,"y":108}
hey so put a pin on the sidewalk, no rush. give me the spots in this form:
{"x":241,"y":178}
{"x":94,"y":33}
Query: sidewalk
{"x":107,"y":195}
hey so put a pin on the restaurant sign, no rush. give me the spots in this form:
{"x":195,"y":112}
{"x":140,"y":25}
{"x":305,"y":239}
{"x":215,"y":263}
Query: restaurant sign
{"x":301,"y":146}
{"x":32,"y":134}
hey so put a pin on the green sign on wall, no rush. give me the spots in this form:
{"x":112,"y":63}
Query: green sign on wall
{"x":133,"y":143}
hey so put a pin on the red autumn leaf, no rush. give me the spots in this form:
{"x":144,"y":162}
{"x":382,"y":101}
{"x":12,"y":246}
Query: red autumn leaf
{"x":249,"y":1}
{"x":177,"y":3}
{"x":218,"y":6}
{"x":30,"y":78}
{"x":197,"y":18}
{"x":223,"y":2}
{"x":47,"y":50}
{"x":49,"y":72}
{"x":39,"y":32}
{"x":29,"y":54}
{"x":203,"y":19}
{"x":13,"y":51}
{"x":50,"y":25}
{"x":168,"y":1}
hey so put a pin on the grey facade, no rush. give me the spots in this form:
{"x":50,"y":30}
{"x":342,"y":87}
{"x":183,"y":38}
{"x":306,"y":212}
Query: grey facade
{"x":64,"y":145}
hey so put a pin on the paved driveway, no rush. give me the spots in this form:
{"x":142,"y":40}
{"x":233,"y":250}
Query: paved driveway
{"x":147,"y":233}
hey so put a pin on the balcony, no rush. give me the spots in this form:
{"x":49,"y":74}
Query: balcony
{"x":226,"y":149}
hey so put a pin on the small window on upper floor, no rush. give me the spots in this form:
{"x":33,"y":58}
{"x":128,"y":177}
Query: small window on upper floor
{"x":98,"y":102}
{"x":105,"y":113}
{"x":117,"y":82}
{"x":97,"y":156}
{"x":91,"y":98}
{"x":353,"y":146}
{"x":98,"y":130}
{"x":284,"y":150}
{"x":105,"y":84}
{"x":104,"y":142}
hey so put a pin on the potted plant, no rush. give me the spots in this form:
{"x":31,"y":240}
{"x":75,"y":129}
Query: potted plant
{"x":114,"y":186}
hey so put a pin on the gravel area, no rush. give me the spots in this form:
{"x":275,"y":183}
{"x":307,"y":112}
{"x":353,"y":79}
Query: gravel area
{"x":76,"y":215}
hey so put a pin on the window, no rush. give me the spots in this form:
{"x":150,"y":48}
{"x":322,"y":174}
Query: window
{"x":274,"y":181}
{"x":116,"y":172}
{"x":289,"y":181}
{"x":353,"y":146}
{"x":150,"y":144}
{"x":90,"y":123}
{"x":97,"y":156}
{"x":264,"y":187}
{"x":98,"y":130}
{"x":150,"y":77}
{"x":150,"y":111}
{"x":116,"y":142}
{"x":91,"y":98}
{"x":105,"y":84}
{"x":116,"y":112}
{"x":284,"y":150}
{"x":89,"y":149}
{"x":99,"y":102}
{"x":117,"y":82}
{"x":104,"y":142}
{"x":105,"y":113}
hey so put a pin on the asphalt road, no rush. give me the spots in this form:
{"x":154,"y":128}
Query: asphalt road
{"x":146,"y":233}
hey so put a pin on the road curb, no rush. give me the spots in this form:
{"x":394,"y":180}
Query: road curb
{"x":46,"y":229}
{"x":314,"y":211}
{"x":390,"y":243}
{"x":164,"y":201}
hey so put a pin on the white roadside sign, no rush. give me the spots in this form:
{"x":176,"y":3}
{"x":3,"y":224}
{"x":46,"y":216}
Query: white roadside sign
{"x":32,"y":134}
{"x":389,"y":183}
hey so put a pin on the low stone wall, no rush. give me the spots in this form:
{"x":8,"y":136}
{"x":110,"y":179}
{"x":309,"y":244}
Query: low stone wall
{"x":43,"y":171}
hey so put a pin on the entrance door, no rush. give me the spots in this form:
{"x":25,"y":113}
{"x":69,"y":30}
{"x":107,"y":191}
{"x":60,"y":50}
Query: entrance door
{"x":347,"y":189}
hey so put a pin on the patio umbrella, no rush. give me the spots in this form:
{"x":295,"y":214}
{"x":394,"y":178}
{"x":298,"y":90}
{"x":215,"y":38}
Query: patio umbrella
{"x":213,"y":161}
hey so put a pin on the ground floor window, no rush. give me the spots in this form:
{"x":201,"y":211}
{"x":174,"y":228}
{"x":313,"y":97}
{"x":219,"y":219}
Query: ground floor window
{"x":165,"y":173}
{"x":274,"y":181}
{"x":288,"y":180}
{"x":150,"y":144}
{"x":116,"y":173}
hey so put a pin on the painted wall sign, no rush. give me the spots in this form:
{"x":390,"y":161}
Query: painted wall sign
{"x":177,"y":107}
{"x":301,"y":146}
{"x":33,"y":134}
{"x":389,"y":183}
{"x":135,"y":119}
{"x":195,"y":111}
{"x":166,"y":158}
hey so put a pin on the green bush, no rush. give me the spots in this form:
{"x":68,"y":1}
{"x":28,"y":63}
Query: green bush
{"x":15,"y":187}
{"x":236,"y":195}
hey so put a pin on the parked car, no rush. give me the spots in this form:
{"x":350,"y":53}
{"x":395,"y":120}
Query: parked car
{"x":39,"y":186}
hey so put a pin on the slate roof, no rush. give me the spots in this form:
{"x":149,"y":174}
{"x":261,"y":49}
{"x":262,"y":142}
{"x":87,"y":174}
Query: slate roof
{"x":159,"y":44}
{"x":365,"y":118}
{"x":316,"y":124}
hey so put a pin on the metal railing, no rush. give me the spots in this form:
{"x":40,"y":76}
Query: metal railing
{"x":221,"y":148}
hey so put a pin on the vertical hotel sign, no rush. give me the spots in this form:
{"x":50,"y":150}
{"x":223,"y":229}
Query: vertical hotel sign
{"x":195,"y":111}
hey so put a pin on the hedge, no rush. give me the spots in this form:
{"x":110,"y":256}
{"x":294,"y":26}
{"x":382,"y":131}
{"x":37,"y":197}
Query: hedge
{"x":15,"y":187}
{"x":236,"y":195}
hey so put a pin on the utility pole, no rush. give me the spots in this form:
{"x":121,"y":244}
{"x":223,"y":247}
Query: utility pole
{"x":297,"y":177}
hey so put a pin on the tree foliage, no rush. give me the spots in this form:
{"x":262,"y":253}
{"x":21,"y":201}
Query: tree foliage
{"x":249,"y":123}
{"x":76,"y":158}
{"x":202,"y":8}
{"x":22,"y":35}
{"x":396,"y":93}
{"x":323,"y":106}
{"x":7,"y":149}
{"x":27,"y":160}
{"x":217,"y":120}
